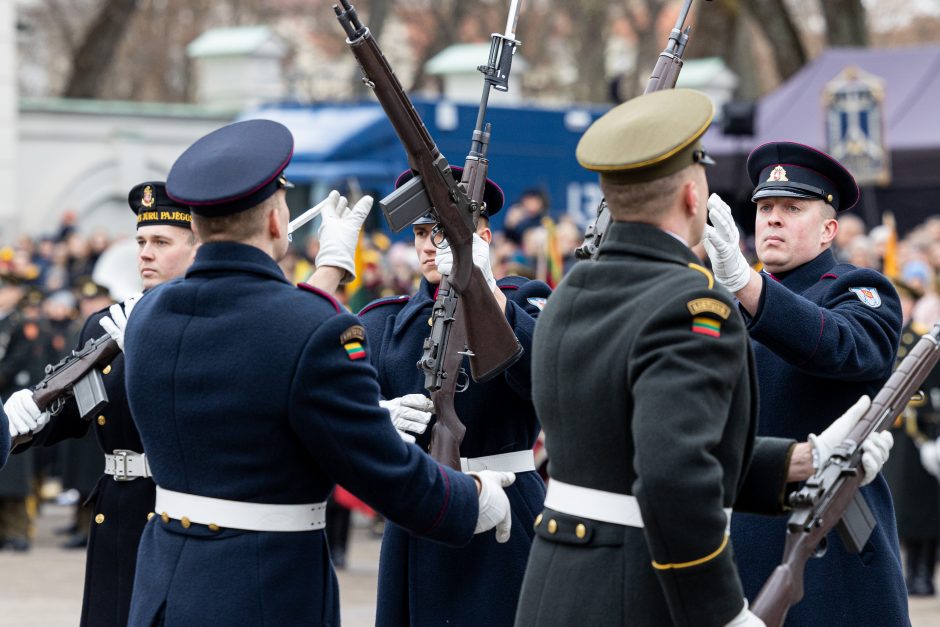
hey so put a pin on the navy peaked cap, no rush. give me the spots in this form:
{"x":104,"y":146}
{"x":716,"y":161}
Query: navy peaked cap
{"x":493,"y":196}
{"x":796,"y":171}
{"x":152,"y":206}
{"x":233,"y":168}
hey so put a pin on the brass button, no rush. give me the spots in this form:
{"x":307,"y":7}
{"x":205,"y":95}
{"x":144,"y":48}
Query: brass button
{"x":538,"y":520}
{"x":99,"y":518}
{"x":580,"y":531}
{"x":552,"y":526}
{"x":150,"y":515}
{"x":101,"y":420}
{"x":907,"y":338}
{"x":213,"y":527}
{"x":185,"y":522}
{"x":107,"y":369}
{"x":165,"y":517}
{"x":902,"y":352}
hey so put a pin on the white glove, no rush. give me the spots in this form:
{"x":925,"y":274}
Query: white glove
{"x":494,"y":504}
{"x":481,"y":259}
{"x":117,"y":322}
{"x":928,"y":457}
{"x":339,"y":232}
{"x":875,"y":448}
{"x":411,"y":412}
{"x":746,"y":618}
{"x":23,"y":414}
{"x":721,"y":244}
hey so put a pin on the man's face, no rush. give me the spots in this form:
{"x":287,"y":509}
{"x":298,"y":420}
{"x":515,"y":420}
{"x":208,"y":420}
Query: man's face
{"x":427,"y":252}
{"x":163,"y":252}
{"x":791,"y":231}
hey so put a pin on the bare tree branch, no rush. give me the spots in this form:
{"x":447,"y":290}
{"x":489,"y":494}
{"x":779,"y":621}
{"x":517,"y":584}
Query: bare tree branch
{"x":96,"y":52}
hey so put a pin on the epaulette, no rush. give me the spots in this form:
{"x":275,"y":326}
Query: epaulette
{"x":512,"y":282}
{"x":706,"y":272}
{"x":388,"y":300}
{"x":316,"y":290}
{"x":919,"y":329}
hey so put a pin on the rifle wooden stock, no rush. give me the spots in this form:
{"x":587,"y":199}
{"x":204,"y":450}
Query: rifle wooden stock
{"x":832,"y":493}
{"x":60,"y":379}
{"x":448,"y":430}
{"x":489,"y":336}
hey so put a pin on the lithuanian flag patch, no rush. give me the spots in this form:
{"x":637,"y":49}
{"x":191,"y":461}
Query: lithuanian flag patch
{"x":706,"y":326}
{"x":354,"y":350}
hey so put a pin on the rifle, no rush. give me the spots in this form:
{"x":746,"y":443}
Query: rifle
{"x":474,"y":319}
{"x":78,"y":375}
{"x":664,"y":76}
{"x":831,"y":498}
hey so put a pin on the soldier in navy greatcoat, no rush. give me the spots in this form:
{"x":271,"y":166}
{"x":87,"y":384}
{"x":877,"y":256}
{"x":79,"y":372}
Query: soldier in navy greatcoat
{"x":254,"y":396}
{"x":123,"y":497}
{"x":823,"y":333}
{"x":423,"y":582}
{"x":645,"y":386}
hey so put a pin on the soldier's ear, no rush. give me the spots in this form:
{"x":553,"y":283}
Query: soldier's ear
{"x":690,"y":199}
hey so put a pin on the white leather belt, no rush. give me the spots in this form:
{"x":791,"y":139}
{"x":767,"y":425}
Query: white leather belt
{"x":610,"y":507}
{"x":206,"y":510}
{"x":126,"y":465}
{"x":518,"y":461}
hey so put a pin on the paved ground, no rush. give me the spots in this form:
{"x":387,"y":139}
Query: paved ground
{"x":43,"y":588}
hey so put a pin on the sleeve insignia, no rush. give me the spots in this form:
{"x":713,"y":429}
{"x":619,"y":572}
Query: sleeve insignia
{"x":355,"y":332}
{"x":706,"y":326}
{"x":868,"y":295}
{"x":537,"y":302}
{"x":354,"y":350}
{"x":710,"y":305}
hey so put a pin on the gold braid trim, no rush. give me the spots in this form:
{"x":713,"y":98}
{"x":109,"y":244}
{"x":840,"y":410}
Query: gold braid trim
{"x":697,"y":562}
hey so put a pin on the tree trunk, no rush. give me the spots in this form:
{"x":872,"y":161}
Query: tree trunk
{"x":845,"y":22}
{"x":782,"y":35}
{"x":96,"y":52}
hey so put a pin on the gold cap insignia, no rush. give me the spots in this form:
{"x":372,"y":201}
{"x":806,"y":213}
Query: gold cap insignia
{"x":778,"y":174}
{"x":147,"y":200}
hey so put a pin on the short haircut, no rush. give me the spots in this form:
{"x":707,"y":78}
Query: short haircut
{"x":238,"y":227}
{"x":643,"y":200}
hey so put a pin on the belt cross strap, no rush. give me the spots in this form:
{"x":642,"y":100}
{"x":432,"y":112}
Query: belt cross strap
{"x":125,"y":465}
{"x":610,"y":507}
{"x":206,"y":510}
{"x":517,"y":461}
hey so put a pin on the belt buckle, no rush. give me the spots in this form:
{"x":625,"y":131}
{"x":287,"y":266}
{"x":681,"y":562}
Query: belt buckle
{"x":120,"y":465}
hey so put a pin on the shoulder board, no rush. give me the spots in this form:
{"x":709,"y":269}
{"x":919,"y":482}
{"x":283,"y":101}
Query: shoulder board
{"x":390,"y":300}
{"x":919,"y":328}
{"x":706,"y":272}
{"x":316,"y":290}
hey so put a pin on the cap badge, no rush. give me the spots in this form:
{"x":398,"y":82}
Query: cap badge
{"x":778,"y":174}
{"x":147,"y":199}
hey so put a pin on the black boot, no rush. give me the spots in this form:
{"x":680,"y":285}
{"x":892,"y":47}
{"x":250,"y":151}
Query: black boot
{"x":927,"y":566}
{"x":911,"y":564}
{"x":920,"y":571}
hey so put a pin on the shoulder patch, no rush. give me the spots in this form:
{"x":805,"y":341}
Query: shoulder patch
{"x":355,"y":332}
{"x":354,"y":350}
{"x":706,"y":272}
{"x":391,"y":300}
{"x":868,"y":295}
{"x":706,"y":326}
{"x":710,"y":305}
{"x":537,"y":302}
{"x":316,"y":290}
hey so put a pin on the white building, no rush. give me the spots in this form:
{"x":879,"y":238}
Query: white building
{"x":85,"y":155}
